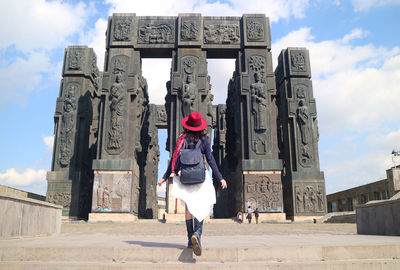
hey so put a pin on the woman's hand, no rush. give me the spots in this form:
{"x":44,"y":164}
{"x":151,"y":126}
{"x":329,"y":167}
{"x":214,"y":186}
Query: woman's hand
{"x":160,"y":182}
{"x":223,"y":184}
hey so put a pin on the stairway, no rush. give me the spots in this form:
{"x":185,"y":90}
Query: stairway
{"x":225,"y":246}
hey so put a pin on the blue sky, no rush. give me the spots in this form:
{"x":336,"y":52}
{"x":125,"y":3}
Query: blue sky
{"x":355,"y":60}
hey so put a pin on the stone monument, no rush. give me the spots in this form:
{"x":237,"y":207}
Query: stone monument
{"x":106,"y":151}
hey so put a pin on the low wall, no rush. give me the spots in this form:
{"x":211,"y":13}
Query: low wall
{"x":379,"y":217}
{"x":21,"y":216}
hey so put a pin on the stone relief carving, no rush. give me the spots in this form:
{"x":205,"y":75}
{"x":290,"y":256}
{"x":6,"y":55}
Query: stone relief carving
{"x":259,"y":98}
{"x":60,"y":198}
{"x":122,"y":28}
{"x":309,"y":198}
{"x":95,"y":71}
{"x":156,"y":33}
{"x":300,"y":92}
{"x":142,"y":104}
{"x":117,"y":108}
{"x":255,"y":30}
{"x":68,"y":122}
{"x":75,"y":59}
{"x":161,"y":115}
{"x":257,"y":63}
{"x":264,"y":193}
{"x":189,"y":30}
{"x":104,"y":198}
{"x":221,"y":33}
{"x":259,"y":145}
{"x":303,"y":120}
{"x":189,"y":65}
{"x":189,"y":95}
{"x":298,"y":61}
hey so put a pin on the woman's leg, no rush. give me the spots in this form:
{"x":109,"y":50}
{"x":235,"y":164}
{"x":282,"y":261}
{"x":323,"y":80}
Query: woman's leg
{"x":189,"y":226}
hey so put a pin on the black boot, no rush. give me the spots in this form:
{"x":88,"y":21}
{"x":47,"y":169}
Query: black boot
{"x":198,"y":230}
{"x":189,"y":229}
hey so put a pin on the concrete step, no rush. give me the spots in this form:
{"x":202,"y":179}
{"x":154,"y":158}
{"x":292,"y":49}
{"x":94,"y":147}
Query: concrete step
{"x":326,"y":265}
{"x":300,"y":254}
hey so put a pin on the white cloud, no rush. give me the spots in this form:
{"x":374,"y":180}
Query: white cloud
{"x":19,"y":78}
{"x":354,"y":85}
{"x":12,"y":177}
{"x":356,"y":89}
{"x":39,"y":24}
{"x":49,"y":142}
{"x":96,"y":39}
{"x":364,"y":5}
{"x":274,"y":9}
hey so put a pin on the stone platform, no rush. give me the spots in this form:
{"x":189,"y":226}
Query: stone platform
{"x":153,"y":245}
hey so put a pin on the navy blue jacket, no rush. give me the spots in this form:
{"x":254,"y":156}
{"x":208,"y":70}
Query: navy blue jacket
{"x":206,"y":150}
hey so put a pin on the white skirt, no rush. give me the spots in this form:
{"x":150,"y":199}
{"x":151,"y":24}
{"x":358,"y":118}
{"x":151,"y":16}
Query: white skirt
{"x":198,"y":198}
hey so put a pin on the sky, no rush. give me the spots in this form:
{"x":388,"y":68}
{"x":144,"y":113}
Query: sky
{"x":354,"y":50}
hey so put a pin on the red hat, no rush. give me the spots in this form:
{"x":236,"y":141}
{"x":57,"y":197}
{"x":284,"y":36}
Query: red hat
{"x":194,"y":122}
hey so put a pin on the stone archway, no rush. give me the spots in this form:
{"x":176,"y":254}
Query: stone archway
{"x":106,"y":149}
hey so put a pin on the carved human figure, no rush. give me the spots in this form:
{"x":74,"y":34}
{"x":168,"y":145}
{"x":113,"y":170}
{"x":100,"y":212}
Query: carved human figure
{"x":305,"y":155}
{"x":100,"y":190}
{"x":320,"y":201}
{"x":117,"y":96}
{"x":299,"y":202}
{"x":303,"y":120}
{"x":67,"y":126}
{"x":106,"y":198}
{"x":189,"y":95}
{"x":260,"y":102}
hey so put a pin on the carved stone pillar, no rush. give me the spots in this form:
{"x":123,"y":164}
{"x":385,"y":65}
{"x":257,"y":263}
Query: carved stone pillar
{"x":69,"y":181}
{"x":190,"y":89}
{"x":304,"y":184}
{"x":123,"y":112}
{"x":252,"y":130}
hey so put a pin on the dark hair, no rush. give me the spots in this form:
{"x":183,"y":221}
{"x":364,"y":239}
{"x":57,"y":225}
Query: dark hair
{"x":197,"y":134}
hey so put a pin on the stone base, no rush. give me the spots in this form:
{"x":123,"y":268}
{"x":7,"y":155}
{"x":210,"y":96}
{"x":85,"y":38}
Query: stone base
{"x":306,"y":218}
{"x":268,"y":217}
{"x":114,"y":217}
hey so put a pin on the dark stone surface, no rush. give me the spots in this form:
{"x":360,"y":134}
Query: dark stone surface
{"x":71,"y":178}
{"x":304,"y":184}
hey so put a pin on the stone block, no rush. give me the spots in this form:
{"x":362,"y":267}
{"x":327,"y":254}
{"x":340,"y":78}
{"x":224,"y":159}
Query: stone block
{"x":21,"y":216}
{"x":112,"y":191}
{"x":256,"y":31}
{"x":190,"y":30}
{"x":379,"y":218}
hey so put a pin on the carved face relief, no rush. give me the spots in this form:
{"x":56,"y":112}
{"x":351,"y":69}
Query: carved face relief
{"x":189,"y":65}
{"x":255,"y":30}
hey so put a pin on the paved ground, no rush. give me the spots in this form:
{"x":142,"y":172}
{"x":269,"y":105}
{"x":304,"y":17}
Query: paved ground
{"x":155,"y":234}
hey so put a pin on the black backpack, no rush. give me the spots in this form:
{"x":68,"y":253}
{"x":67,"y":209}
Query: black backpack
{"x":193,"y":170}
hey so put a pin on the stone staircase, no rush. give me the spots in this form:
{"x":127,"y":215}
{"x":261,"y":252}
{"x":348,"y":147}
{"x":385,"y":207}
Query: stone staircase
{"x":225,"y":246}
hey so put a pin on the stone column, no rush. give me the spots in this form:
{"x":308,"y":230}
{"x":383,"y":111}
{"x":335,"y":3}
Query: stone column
{"x":70,"y":178}
{"x":252,"y":122}
{"x":304,"y":184}
{"x":124,"y":106}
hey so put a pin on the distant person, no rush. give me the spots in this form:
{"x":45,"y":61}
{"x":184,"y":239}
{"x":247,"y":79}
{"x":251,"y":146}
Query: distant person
{"x":239,"y":217}
{"x":256,"y":214}
{"x":192,"y":183}
{"x":249,"y":214}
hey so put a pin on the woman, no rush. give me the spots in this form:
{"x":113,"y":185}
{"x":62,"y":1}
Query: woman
{"x":198,"y":197}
